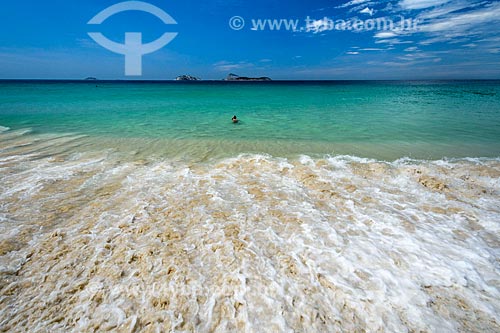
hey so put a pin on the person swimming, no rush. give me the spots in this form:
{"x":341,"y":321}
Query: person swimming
{"x":234,"y":119}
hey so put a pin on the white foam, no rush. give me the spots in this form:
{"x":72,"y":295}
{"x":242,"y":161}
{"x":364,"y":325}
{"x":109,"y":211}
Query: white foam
{"x":254,"y":243}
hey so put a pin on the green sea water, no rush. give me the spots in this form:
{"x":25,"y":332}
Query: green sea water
{"x":389,"y":120}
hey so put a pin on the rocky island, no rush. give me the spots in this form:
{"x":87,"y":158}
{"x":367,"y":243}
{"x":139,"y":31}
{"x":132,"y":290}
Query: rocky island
{"x":234,"y":77}
{"x":186,"y":78}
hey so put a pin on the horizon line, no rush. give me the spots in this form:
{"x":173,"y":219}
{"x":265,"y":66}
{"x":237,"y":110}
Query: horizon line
{"x":255,"y":81}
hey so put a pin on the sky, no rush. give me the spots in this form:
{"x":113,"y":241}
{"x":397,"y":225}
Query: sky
{"x":317,"y":40}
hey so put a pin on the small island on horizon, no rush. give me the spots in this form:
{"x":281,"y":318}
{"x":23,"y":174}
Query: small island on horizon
{"x":234,"y":77}
{"x":231,"y":77}
{"x":187,"y":78}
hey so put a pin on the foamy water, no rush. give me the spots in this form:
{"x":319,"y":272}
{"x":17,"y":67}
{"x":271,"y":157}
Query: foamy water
{"x":100,"y":240}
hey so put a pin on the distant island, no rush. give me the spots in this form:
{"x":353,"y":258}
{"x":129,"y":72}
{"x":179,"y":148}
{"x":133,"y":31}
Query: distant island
{"x":234,"y":77}
{"x":231,"y":77}
{"x":91,"y":79}
{"x":187,"y":78}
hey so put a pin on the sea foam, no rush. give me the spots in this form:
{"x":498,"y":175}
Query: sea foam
{"x":249,"y":243}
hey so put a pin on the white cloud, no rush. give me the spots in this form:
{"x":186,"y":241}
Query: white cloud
{"x":446,"y":9}
{"x":393,"y":41}
{"x":368,"y":11}
{"x":464,"y":21}
{"x":385,"y":34}
{"x":352,"y":52}
{"x":352,"y":3}
{"x":421,"y":4}
{"x":372,"y":49}
{"x":411,"y":49}
{"x":439,"y":39}
{"x":418,"y":55}
{"x":490,"y":39}
{"x":456,"y":22}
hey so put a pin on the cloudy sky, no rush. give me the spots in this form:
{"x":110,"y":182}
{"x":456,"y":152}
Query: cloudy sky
{"x":427,"y":39}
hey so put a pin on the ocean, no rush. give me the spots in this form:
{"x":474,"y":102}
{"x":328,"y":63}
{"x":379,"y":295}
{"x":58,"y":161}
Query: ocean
{"x":331,"y":206}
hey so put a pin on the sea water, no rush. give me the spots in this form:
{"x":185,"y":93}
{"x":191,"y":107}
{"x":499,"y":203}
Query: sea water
{"x":331,"y":206}
{"x":385,"y":120}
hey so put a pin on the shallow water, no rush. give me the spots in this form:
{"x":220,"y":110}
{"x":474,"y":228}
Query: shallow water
{"x":100,"y":237}
{"x":382,"y":120}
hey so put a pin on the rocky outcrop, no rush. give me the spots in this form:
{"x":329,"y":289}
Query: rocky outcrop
{"x":234,"y":77}
{"x":187,"y":78}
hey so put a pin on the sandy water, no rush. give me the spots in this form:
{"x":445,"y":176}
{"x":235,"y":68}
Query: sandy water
{"x":113,"y":241}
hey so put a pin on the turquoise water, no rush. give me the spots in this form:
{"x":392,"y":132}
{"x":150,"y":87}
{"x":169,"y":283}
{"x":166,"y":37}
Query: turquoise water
{"x":374,"y":119}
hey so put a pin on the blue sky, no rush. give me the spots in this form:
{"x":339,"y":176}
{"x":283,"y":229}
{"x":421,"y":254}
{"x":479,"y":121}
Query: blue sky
{"x":452,"y":39}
